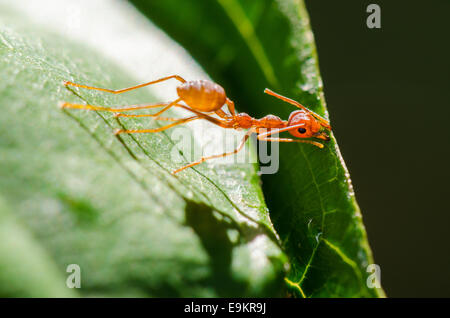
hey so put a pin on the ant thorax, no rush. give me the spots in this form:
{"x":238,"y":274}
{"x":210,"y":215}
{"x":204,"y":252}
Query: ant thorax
{"x":243,"y":120}
{"x":271,"y":121}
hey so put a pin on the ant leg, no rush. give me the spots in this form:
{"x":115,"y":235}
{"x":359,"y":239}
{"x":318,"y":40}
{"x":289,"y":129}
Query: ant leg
{"x":221,"y":123}
{"x":203,"y":159}
{"x":176,"y":123}
{"x":325,"y":122}
{"x":123,"y":90}
{"x":148,"y":115}
{"x":265,"y":136}
{"x":218,"y":122}
{"x":222,"y":114}
{"x":318,"y":144}
{"x":175,"y":119}
{"x":278,"y":130}
{"x":230,"y":105}
{"x":166,"y":108}
{"x":156,"y":118}
{"x":122,"y":109}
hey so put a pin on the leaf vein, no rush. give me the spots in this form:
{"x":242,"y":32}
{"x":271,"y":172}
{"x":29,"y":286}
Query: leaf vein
{"x":245,"y":28}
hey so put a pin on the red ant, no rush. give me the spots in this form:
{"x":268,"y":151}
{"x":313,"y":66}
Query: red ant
{"x":202,"y":96}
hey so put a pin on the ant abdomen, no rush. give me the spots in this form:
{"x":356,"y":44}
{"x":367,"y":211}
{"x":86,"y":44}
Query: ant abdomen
{"x":202,"y":95}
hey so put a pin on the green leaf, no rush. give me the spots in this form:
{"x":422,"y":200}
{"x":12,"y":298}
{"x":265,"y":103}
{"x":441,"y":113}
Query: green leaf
{"x":25,"y":268}
{"x":75,"y":194}
{"x":246,"y":46}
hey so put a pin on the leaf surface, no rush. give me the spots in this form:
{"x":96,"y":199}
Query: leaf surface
{"x":247,"y":46}
{"x":80,"y":195}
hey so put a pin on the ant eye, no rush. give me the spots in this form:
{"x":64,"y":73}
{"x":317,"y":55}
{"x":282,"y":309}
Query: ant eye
{"x":301,"y":130}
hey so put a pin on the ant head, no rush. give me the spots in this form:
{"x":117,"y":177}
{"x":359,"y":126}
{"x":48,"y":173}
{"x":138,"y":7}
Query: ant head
{"x":313,"y":124}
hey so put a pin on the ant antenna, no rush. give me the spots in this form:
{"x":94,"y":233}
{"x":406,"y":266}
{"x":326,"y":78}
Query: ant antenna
{"x":322,"y":120}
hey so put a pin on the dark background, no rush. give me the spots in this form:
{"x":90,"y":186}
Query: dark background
{"x":388,"y":97}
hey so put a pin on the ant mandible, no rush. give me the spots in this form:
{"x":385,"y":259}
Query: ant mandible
{"x":202,"y":97}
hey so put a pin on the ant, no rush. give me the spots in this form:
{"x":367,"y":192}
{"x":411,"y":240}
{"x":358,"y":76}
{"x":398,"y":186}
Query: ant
{"x":202,"y":97}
